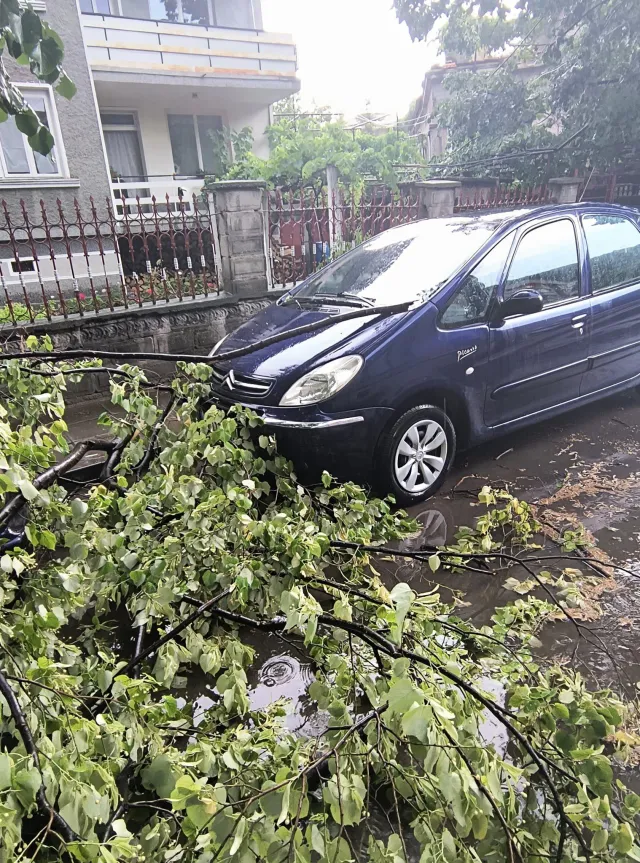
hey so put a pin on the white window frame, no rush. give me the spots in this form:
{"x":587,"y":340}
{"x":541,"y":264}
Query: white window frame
{"x":97,"y":12}
{"x":210,"y":10}
{"x":117,"y":127}
{"x":58,"y":148}
{"x":196,"y":130}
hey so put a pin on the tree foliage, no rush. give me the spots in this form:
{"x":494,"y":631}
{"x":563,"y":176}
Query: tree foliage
{"x":33,"y":43}
{"x":302,"y":144}
{"x":586,"y":83}
{"x":436,"y":739}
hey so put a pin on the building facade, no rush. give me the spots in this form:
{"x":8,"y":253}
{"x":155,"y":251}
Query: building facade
{"x":156,"y":80}
{"x":423,"y":119}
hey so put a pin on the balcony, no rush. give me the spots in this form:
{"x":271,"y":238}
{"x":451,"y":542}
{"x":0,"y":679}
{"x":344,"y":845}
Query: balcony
{"x":137,"y":50}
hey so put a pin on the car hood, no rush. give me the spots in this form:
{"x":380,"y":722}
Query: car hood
{"x":300,"y":351}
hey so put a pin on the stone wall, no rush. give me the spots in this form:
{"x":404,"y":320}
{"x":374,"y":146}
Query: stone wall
{"x":190,"y":327}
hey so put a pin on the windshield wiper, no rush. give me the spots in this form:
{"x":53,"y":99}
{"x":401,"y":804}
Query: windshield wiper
{"x":345,"y":299}
{"x":339,"y":300}
{"x":364,"y":301}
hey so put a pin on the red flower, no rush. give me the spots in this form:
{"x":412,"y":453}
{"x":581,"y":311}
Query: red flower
{"x":81,"y":296}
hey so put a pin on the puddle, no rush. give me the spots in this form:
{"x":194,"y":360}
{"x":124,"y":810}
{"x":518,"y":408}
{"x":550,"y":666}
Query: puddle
{"x":274,"y":676}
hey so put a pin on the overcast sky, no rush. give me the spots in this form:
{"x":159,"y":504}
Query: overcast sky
{"x":351,"y":52}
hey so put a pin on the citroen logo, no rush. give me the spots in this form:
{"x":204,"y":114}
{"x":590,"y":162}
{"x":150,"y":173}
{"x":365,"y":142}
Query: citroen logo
{"x":230,"y":380}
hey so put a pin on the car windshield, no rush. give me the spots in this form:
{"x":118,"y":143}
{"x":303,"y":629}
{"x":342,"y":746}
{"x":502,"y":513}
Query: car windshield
{"x":404,"y":264}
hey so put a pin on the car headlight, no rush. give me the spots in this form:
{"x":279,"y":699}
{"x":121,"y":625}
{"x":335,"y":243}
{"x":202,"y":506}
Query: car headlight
{"x":216,"y":347}
{"x":322,"y":383}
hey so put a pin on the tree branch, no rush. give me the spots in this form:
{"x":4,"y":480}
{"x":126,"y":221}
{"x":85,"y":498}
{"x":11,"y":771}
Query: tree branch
{"x":29,"y":744}
{"x":59,"y":356}
{"x":49,"y":476}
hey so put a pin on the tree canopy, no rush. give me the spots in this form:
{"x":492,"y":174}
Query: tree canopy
{"x":167,"y":575}
{"x":33,"y":43}
{"x":303,"y":143}
{"x":586,"y":85}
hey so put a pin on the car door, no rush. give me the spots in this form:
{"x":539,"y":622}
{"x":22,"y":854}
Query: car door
{"x":537,"y":361}
{"x":463,"y":327}
{"x":613,"y":247}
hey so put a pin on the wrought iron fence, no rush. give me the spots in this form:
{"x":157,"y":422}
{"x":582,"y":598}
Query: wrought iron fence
{"x":308,"y":228}
{"x":53,"y":264}
{"x":500,"y":196}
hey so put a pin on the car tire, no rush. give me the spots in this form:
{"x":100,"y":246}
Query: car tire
{"x":415,"y":455}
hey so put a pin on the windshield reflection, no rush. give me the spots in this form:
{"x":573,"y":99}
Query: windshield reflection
{"x":403,"y":264}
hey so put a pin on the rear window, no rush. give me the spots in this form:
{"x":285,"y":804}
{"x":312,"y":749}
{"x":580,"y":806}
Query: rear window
{"x":407,"y":263}
{"x":614,"y":251}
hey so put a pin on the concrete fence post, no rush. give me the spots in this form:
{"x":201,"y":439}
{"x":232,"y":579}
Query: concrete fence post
{"x":437,"y":198}
{"x":334,"y":203}
{"x":240,"y":208}
{"x":564,"y":190}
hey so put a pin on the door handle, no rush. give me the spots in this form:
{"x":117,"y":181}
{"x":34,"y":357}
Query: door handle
{"x":578,"y":322}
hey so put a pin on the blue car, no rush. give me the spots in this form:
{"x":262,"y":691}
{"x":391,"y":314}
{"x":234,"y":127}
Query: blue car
{"x":514,"y":317}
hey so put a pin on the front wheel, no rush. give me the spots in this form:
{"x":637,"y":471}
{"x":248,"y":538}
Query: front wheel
{"x":416,"y":454}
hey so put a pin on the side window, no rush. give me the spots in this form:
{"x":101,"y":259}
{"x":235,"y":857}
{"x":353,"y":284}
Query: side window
{"x":470,"y":303}
{"x":546,"y":261}
{"x":614,"y":251}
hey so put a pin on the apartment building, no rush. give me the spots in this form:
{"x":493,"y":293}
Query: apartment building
{"x":156,"y":79}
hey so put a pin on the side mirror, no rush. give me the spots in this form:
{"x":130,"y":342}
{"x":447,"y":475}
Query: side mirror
{"x":524,"y":302}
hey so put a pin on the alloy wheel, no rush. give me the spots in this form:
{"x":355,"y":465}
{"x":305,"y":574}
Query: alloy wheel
{"x":420,"y":456}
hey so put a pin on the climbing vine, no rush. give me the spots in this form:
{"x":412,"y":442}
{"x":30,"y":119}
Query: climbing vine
{"x":435,"y":739}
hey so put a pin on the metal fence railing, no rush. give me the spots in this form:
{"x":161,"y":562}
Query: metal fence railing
{"x":500,"y":196}
{"x":308,"y":228}
{"x":55,"y":263}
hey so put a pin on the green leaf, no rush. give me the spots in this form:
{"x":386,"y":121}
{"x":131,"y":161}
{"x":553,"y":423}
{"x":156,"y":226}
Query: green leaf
{"x":26,"y":785}
{"x":561,"y":711}
{"x":451,"y":786}
{"x":402,"y":695}
{"x":66,"y":87}
{"x":47,"y":539}
{"x":5,"y":771}
{"x":417,"y":722}
{"x":480,"y":825}
{"x":402,"y":597}
{"x":130,"y":559}
{"x":27,"y":122}
{"x":78,"y":508}
{"x":434,"y":563}
{"x":79,"y":551}
{"x":160,"y":776}
{"x":31,"y":26}
{"x":42,"y":141}
{"x":238,"y":836}
{"x":28,"y":489}
{"x":599,"y":840}
{"x":623,"y":839}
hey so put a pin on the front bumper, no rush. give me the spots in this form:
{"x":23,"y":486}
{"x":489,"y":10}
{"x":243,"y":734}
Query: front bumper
{"x":342,"y":443}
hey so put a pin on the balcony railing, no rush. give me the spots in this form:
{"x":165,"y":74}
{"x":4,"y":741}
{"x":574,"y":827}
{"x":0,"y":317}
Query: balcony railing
{"x":151,"y":196}
{"x":136,"y":45}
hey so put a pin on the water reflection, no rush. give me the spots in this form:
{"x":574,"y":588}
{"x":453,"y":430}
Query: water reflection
{"x":285,"y":677}
{"x":434,"y":528}
{"x":274,"y":676}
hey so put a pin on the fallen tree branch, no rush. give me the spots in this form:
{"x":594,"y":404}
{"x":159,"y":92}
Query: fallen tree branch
{"x":141,"y":655}
{"x":60,"y":356}
{"x":49,"y":476}
{"x":144,"y":462}
{"x":373,"y":638}
{"x":29,"y":744}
